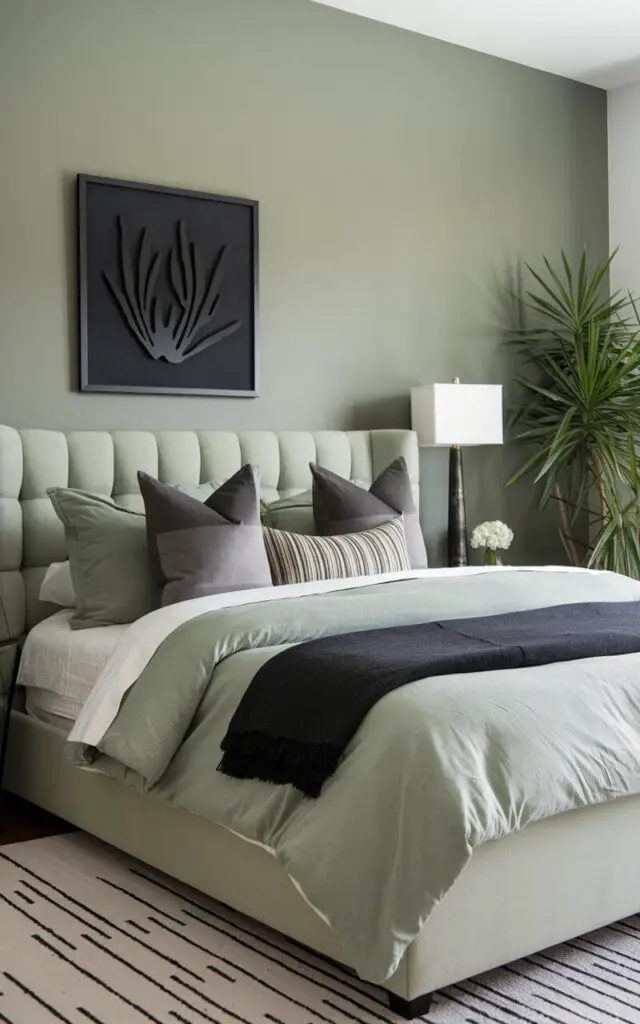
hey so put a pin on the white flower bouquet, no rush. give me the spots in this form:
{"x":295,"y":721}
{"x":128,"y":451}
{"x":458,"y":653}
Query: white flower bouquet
{"x":493,"y":536}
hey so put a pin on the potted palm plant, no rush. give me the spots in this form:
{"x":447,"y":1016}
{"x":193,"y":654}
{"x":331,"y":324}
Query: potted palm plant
{"x":580,"y":410}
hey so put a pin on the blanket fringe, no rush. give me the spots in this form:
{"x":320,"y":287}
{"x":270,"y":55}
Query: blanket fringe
{"x":252,"y":755}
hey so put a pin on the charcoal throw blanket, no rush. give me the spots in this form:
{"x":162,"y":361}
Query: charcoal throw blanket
{"x":304,"y":705}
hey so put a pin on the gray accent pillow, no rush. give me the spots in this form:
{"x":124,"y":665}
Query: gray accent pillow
{"x":107,"y":548}
{"x":199,"y":548}
{"x":342,"y":507}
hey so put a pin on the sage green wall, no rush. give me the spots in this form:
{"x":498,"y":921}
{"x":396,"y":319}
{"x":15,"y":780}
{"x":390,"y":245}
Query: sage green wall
{"x":398,"y":178}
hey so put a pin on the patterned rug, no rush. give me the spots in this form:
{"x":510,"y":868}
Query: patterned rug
{"x":88,"y":935}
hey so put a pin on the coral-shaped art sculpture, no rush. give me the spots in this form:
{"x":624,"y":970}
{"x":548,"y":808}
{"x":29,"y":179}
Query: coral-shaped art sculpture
{"x":183,"y":329}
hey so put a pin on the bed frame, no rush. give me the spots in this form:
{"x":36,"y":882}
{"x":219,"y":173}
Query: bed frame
{"x":555,"y":880}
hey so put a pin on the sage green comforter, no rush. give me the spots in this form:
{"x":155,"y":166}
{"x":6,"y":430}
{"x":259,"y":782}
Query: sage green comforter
{"x":438,"y":767}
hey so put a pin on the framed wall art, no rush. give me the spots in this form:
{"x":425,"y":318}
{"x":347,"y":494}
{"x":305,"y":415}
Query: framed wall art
{"x":168,"y":290}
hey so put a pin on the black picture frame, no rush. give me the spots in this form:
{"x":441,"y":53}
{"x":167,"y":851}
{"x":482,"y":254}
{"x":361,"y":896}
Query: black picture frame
{"x":158,"y":268}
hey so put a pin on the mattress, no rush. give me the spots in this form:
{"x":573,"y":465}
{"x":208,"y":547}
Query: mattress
{"x":59,"y":665}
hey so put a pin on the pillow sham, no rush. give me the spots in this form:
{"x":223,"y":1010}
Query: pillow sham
{"x":57,"y":586}
{"x":107,"y":548}
{"x":198,"y":548}
{"x":299,"y":558}
{"x":342,"y":507}
{"x":294,"y":514}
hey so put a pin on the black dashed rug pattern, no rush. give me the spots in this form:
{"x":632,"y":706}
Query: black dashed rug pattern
{"x":90,"y":935}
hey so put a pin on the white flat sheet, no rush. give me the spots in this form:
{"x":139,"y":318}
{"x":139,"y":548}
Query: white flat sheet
{"x":60,"y":666}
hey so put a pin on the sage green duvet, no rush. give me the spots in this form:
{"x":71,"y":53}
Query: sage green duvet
{"x":437,"y":768}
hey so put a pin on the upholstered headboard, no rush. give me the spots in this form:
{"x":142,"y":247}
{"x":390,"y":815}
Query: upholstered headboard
{"x":31,"y":537}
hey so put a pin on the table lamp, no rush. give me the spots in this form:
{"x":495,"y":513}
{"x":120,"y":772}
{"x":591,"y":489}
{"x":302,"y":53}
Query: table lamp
{"x":454,"y":415}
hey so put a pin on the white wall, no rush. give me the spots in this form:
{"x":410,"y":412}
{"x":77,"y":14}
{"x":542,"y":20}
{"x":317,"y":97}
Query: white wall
{"x":624,"y":185}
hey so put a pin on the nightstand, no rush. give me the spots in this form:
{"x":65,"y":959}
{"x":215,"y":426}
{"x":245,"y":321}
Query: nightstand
{"x":8,"y":674}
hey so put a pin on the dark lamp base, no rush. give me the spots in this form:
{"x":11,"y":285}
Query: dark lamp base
{"x":457,"y":536}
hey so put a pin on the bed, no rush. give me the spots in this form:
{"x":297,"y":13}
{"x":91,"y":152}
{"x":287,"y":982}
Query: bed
{"x":556,"y":879}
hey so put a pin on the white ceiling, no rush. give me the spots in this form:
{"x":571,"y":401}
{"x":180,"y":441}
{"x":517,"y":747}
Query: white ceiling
{"x":593,"y":41}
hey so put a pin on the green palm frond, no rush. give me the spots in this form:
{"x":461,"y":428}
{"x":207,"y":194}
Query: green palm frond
{"x":579,"y":415}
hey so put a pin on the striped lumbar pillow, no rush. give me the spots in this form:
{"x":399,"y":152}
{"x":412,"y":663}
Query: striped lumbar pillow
{"x":300,"y":558}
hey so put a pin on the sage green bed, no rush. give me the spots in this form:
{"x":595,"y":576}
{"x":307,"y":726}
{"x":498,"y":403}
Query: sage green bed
{"x":558,"y":877}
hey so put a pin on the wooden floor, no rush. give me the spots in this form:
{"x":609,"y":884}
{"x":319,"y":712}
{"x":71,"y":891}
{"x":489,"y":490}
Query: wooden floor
{"x":21,"y":821}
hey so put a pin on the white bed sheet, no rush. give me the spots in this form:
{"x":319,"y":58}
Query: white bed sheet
{"x":60,"y":666}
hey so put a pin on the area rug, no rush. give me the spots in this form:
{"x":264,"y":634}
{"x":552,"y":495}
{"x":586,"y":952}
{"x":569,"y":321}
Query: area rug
{"x":89,"y":935}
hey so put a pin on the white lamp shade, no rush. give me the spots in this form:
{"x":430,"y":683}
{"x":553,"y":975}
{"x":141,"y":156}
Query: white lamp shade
{"x":464,"y":414}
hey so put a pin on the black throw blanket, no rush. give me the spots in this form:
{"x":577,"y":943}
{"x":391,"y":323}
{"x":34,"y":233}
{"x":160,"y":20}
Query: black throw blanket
{"x":304,"y":705}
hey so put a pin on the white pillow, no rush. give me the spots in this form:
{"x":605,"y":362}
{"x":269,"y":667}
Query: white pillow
{"x":57,"y":585}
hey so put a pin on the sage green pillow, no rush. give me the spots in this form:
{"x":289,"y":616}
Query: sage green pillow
{"x":294,"y":514}
{"x":107,"y":548}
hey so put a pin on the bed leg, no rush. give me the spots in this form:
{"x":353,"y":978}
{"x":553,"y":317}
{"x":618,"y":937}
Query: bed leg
{"x":410,"y":1008}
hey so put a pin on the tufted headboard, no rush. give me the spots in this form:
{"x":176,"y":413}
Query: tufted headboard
{"x":31,"y":537}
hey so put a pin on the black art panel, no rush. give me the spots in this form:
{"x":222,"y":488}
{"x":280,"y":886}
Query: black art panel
{"x":168,"y":290}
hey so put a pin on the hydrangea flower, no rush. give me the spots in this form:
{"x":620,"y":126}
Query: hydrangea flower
{"x":493,"y":535}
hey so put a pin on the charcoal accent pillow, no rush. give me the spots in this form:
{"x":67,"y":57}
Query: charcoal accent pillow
{"x":107,"y":548}
{"x":199,"y":548}
{"x":342,"y":507}
{"x":299,"y":558}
